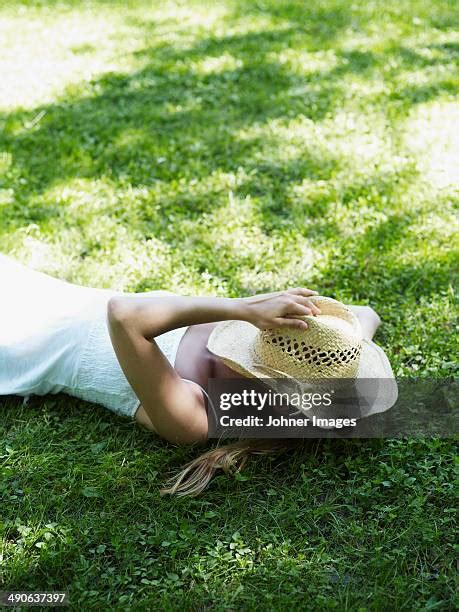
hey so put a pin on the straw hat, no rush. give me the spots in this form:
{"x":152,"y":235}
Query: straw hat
{"x":332,"y":347}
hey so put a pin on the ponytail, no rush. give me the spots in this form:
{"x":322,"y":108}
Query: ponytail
{"x":231,"y":458}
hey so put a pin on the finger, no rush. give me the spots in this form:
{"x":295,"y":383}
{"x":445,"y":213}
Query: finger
{"x":315,"y":310}
{"x":302,"y":291}
{"x":297,"y":309}
{"x":291,"y":323}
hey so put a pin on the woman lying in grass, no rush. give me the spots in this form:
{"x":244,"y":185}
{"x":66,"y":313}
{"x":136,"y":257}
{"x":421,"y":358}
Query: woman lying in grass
{"x":146,"y":356}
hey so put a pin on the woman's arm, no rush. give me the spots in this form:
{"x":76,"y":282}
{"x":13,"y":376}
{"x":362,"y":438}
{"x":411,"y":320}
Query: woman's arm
{"x":154,"y":315}
{"x":175,"y":408}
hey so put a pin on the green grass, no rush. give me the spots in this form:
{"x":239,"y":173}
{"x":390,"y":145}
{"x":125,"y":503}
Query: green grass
{"x":230,"y":148}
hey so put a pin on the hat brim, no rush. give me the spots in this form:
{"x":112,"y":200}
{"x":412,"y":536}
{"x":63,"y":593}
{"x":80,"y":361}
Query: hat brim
{"x":233,"y":342}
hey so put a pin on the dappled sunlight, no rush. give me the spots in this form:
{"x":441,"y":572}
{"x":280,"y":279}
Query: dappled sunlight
{"x":263,"y":260}
{"x":80,"y":198}
{"x":285,"y":140}
{"x":234,"y":228}
{"x":360,"y":142}
{"x":427,"y":77}
{"x":47,"y":52}
{"x":229,"y":148}
{"x":343,"y":148}
{"x":299,"y":263}
{"x":241,"y":146}
{"x":303,"y":62}
{"x":214,"y":65}
{"x":82,"y":238}
{"x":189,"y":14}
{"x":105,"y":241}
{"x":433,"y":237}
{"x":130,"y":138}
{"x":40,"y":59}
{"x":431,"y":134}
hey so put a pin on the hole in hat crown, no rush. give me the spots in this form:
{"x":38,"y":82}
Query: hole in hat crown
{"x":330,"y":347}
{"x":301,"y":352}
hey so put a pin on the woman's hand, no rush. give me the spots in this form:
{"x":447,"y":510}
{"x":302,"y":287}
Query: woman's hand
{"x":280,"y":308}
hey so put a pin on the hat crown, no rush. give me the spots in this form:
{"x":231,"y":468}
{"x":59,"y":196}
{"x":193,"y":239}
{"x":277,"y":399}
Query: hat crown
{"x":330,"y":347}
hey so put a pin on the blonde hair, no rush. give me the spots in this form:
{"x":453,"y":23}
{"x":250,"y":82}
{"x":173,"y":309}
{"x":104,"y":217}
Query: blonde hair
{"x":231,"y":458}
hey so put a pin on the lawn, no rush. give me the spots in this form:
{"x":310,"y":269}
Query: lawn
{"x":229,"y":148}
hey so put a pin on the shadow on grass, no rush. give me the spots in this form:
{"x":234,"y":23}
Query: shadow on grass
{"x":171,"y":120}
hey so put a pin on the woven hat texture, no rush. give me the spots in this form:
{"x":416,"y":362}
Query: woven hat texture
{"x":331,"y":348}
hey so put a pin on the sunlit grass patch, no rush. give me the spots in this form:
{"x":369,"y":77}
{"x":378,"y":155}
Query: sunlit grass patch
{"x":432,"y":136}
{"x":304,"y":62}
{"x":41,"y":57}
{"x":216,"y":64}
{"x":46,"y":51}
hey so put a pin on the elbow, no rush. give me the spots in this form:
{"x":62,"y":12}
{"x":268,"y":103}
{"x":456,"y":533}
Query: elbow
{"x":116,"y":311}
{"x":197,"y":436}
{"x":196,"y":433}
{"x":194,"y":436}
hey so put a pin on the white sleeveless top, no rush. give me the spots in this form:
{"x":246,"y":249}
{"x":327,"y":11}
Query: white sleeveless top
{"x":54,"y":338}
